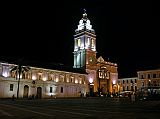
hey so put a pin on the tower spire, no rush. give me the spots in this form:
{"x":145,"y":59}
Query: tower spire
{"x":84,"y":10}
{"x":84,"y":23}
{"x":84,"y":14}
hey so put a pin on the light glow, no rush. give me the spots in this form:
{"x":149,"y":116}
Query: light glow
{"x":56,"y":79}
{"x":67,"y":80}
{"x":79,"y":42}
{"x":90,"y":80}
{"x":18,"y":76}
{"x":33,"y":77}
{"x":44,"y":79}
{"x":114,"y":81}
{"x":76,"y":81}
{"x":5,"y":74}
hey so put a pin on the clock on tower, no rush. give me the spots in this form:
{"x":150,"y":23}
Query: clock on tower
{"x":91,"y":59}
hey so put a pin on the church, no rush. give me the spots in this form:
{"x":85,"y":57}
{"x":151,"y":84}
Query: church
{"x":90,"y":76}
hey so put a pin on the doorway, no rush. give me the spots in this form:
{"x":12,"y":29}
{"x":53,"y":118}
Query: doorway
{"x":39,"y":92}
{"x":26,"y":90}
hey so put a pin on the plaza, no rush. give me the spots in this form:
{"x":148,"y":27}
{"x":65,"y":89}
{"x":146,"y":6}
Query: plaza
{"x":80,"y":108}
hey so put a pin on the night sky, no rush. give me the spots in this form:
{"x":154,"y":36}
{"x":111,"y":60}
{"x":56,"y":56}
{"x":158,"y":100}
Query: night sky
{"x":127,"y":33}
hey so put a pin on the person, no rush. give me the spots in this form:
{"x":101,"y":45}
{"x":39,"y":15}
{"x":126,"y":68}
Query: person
{"x":13,"y":97}
{"x":32,"y":96}
{"x":51,"y":96}
{"x":133,"y":98}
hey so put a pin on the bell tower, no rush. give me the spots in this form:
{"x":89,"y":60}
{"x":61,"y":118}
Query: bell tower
{"x":85,"y":51}
{"x":84,"y":44}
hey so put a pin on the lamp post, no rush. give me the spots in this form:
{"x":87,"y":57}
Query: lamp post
{"x":99,"y":83}
{"x":118,"y":90}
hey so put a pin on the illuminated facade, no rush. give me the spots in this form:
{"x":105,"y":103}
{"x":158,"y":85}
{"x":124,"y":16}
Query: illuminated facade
{"x":129,"y":84}
{"x":147,"y":81}
{"x":99,"y":76}
{"x":102,"y":75}
{"x":107,"y":76}
{"x":41,"y":83}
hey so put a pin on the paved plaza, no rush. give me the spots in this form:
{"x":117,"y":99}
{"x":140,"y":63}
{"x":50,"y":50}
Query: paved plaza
{"x":82,"y":108}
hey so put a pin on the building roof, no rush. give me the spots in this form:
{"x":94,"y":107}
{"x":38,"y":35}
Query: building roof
{"x":46,"y":65}
{"x":149,"y":70}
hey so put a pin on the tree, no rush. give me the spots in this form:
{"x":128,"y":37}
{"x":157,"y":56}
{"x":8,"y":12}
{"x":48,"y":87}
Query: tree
{"x":19,"y":69}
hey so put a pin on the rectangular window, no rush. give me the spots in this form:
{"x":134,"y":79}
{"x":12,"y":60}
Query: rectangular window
{"x":11,"y":87}
{"x":149,"y":83}
{"x":131,"y":88}
{"x":61,"y":89}
{"x":123,"y":81}
{"x":142,"y":77}
{"x":149,"y":76}
{"x":135,"y":81}
{"x":127,"y":87}
{"x":123,"y":88}
{"x":154,"y":75}
{"x":50,"y":89}
{"x":135,"y":88}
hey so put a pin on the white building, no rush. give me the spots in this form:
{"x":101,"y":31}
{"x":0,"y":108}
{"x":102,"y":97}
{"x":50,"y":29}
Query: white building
{"x":41,"y":82}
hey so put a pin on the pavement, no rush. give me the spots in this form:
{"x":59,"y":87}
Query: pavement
{"x":79,"y":108}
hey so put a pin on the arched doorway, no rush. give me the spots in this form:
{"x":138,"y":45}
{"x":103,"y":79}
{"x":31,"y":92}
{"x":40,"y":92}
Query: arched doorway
{"x":26,"y":90}
{"x":39,"y":92}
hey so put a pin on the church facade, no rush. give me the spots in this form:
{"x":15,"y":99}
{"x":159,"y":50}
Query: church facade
{"x":102,"y":75}
{"x":89,"y":76}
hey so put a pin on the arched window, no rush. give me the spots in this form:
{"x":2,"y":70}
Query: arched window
{"x":23,"y":75}
{"x":50,"y":77}
{"x":79,"y":42}
{"x":92,"y":42}
{"x":71,"y":79}
{"x":61,"y":78}
{"x":39,"y":77}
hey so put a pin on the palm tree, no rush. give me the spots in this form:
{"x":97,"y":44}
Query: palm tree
{"x":19,"y":69}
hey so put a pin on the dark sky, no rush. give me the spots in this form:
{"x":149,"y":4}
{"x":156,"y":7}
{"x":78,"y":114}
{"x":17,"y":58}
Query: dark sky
{"x":127,"y":33}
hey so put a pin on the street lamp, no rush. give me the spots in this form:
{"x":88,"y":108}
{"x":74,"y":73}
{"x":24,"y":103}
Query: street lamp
{"x":98,"y":82}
